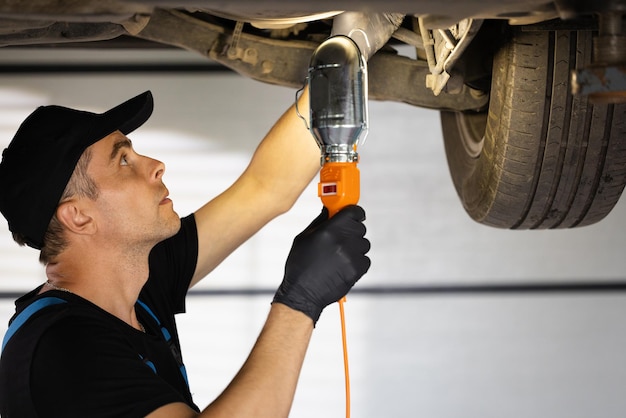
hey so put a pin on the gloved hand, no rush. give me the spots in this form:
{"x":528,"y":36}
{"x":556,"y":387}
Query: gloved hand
{"x":325,"y":261}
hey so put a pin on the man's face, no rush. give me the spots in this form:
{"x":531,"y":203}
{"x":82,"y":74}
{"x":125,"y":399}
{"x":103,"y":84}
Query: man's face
{"x":132,"y":205}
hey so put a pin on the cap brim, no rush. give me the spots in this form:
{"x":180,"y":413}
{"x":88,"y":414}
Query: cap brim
{"x":129,"y":115}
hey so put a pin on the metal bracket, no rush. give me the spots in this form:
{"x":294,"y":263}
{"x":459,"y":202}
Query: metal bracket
{"x":443,"y":47}
{"x":391,"y":76}
{"x":604,"y":81}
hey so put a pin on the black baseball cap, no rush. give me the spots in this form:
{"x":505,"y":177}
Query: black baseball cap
{"x":39,"y":161}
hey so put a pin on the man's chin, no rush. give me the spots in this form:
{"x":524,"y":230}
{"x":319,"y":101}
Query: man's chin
{"x":171,"y":228}
{"x":176,"y":223}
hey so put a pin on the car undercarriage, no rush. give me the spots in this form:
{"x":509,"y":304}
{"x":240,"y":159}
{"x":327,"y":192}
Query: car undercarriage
{"x":530,"y":92}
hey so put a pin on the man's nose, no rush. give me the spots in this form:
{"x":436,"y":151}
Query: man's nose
{"x":157,"y":169}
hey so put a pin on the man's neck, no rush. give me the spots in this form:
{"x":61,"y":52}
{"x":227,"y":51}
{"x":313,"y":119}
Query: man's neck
{"x":111,"y":279}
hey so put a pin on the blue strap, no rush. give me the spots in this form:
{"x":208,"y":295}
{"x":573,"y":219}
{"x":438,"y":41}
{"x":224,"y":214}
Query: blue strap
{"x":147,"y":309}
{"x":148,"y":363}
{"x":168,"y":339}
{"x":39,"y":304}
{"x":30,"y":310}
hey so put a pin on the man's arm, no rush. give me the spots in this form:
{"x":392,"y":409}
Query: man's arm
{"x":325,"y":261}
{"x":266,"y":384}
{"x":282,"y":166}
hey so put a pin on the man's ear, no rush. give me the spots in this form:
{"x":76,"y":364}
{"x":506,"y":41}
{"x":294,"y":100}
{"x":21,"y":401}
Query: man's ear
{"x":71,"y":215}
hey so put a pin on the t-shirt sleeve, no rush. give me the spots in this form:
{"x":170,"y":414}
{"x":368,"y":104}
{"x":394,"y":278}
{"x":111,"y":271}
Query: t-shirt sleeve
{"x":89,"y":371}
{"x":172,"y":265}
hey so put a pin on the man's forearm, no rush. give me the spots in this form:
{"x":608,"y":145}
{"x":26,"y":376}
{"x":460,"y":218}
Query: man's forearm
{"x":288,"y":158}
{"x":265,"y":386}
{"x":283,"y":165}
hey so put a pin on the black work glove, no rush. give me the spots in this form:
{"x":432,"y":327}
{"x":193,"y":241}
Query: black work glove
{"x":325,"y":261}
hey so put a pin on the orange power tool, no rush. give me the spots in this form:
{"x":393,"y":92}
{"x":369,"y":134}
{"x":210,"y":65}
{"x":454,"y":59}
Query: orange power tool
{"x":337,"y":83}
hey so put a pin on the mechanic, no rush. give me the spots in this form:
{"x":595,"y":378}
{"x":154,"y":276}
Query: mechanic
{"x":99,"y":338}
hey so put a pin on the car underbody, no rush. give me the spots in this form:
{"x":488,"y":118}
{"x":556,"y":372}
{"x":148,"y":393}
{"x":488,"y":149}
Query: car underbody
{"x":506,"y":76}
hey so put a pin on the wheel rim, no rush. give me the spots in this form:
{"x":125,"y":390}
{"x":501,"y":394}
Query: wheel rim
{"x":472,"y":127}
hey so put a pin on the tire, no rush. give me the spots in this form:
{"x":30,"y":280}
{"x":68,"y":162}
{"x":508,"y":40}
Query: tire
{"x":539,"y":158}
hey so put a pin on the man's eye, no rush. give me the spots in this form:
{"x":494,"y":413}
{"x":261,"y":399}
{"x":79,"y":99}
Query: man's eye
{"x":123,"y":160}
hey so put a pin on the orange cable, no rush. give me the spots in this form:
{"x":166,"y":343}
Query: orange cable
{"x":346,"y":369}
{"x":339,"y":187}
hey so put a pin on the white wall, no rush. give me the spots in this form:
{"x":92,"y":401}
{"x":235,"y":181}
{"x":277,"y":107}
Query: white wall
{"x":440,"y":356}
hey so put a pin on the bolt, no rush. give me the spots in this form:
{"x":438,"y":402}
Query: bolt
{"x":267,"y":67}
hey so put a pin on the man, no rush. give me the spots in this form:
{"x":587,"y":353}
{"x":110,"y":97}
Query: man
{"x":99,"y":338}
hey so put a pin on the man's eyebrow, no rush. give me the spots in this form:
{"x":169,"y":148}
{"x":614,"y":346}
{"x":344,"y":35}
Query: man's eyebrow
{"x":123,"y":143}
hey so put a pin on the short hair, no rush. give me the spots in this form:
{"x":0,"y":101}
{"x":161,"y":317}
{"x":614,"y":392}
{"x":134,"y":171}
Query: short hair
{"x":81,"y":185}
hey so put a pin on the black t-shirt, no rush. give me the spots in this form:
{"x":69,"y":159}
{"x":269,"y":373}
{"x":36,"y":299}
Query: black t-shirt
{"x":77,"y":360}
